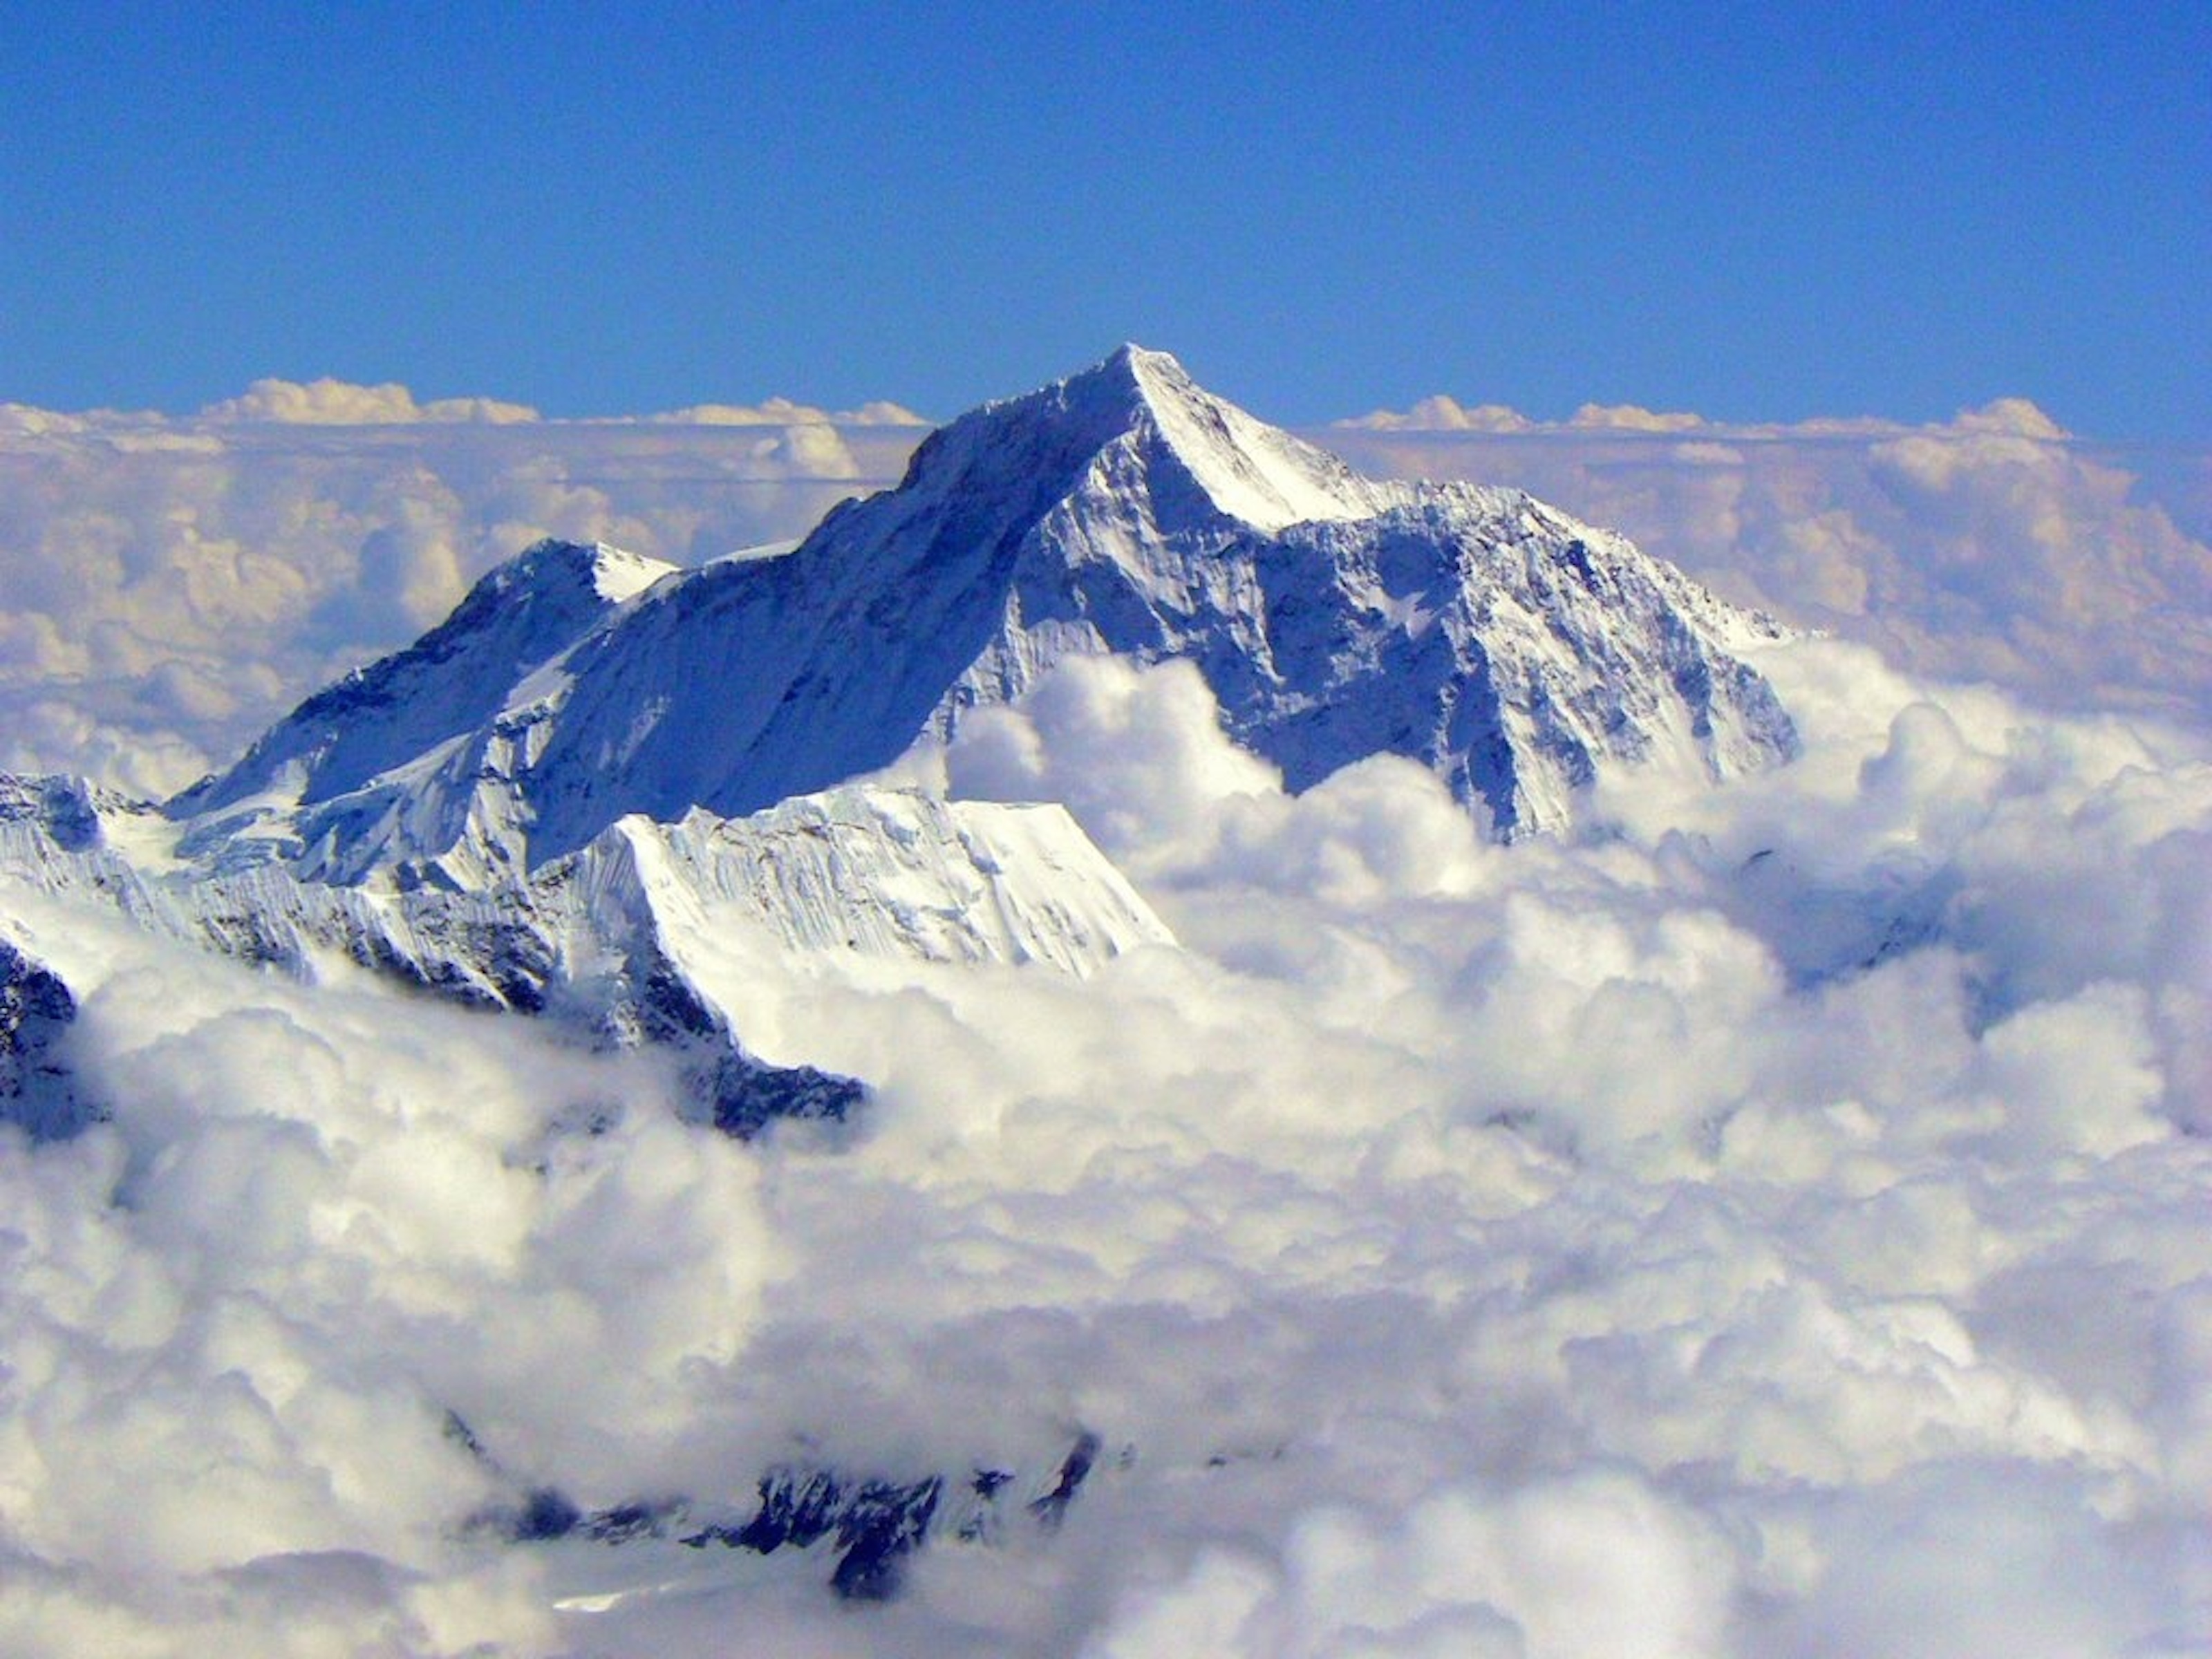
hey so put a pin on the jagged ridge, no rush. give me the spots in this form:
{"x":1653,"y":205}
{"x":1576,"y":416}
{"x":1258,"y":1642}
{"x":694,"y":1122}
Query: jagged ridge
{"x":626,"y":941}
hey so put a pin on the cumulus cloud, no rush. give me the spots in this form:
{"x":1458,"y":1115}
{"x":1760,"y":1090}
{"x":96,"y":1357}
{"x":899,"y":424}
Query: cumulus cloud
{"x":1443,"y":414}
{"x":341,"y":403}
{"x":1128,"y":750}
{"x":1631,"y":417}
{"x":782,"y":411}
{"x":320,"y":1234}
{"x":1768,"y":1224}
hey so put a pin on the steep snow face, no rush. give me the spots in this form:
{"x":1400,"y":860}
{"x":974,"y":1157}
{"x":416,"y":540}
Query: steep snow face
{"x":1124,"y":510}
{"x":888,"y":873}
{"x":1251,"y":471}
{"x":1515,"y":651}
{"x":649,"y":933}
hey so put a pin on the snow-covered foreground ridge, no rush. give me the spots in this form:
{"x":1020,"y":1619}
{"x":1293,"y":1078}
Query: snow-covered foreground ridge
{"x":643,"y":936}
{"x":1517,"y":653}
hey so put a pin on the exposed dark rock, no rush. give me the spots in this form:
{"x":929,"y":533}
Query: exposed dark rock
{"x":37,"y":1088}
{"x":981,"y":1524}
{"x":748,"y":1094}
{"x":63,"y":809}
{"x":625,"y":1521}
{"x":882,"y":1527}
{"x":1050,"y":1507}
{"x":546,"y":1515}
{"x":876,"y":1525}
{"x":795,"y":1510}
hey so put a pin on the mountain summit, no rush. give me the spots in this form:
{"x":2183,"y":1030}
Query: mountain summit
{"x":1155,"y":430}
{"x":1126,"y":510}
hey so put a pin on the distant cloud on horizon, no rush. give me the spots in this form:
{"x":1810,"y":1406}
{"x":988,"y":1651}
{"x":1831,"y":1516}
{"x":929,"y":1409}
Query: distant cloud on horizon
{"x":782,"y":412}
{"x":330,"y":402}
{"x":1442,"y":413}
{"x":340,"y":402}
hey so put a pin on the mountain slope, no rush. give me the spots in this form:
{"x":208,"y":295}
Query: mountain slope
{"x":1124,"y":510}
{"x":450,"y":681}
{"x":355,"y":766}
{"x":651,"y":934}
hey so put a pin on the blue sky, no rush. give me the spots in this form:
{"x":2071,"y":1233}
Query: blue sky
{"x":1757,"y":212}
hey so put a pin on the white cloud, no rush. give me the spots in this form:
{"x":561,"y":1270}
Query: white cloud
{"x":782,"y":411}
{"x":1631,"y":417}
{"x":341,"y":403}
{"x":1770,"y":1225}
{"x":1443,"y":414}
{"x":1462,"y":1248}
{"x":318,"y":1225}
{"x":1126,"y":751}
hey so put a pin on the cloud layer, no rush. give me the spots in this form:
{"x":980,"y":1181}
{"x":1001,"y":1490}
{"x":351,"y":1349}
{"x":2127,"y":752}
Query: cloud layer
{"x":1770,"y":1224}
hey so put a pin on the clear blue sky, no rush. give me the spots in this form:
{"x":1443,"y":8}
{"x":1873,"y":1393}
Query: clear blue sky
{"x":1757,"y":212}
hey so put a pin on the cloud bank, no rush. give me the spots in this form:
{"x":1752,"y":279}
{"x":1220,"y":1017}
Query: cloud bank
{"x":1768,"y":1224}
{"x":340,"y":402}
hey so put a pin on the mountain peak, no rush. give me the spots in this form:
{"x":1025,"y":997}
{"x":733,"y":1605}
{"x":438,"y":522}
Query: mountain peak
{"x":520,"y":615}
{"x":1130,"y":386}
{"x":596,"y":570}
{"x":1200,"y":450}
{"x":1151,"y":375}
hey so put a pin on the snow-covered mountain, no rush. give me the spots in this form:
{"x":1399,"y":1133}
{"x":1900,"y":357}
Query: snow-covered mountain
{"x":1142,"y":1276}
{"x":628,"y":939}
{"x":1512,"y":649}
{"x":604,"y":786}
{"x":602,"y":780}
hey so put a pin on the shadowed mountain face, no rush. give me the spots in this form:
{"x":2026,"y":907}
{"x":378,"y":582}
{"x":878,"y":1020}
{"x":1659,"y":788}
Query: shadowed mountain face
{"x":1124,"y":511}
{"x":36,"y":1087}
